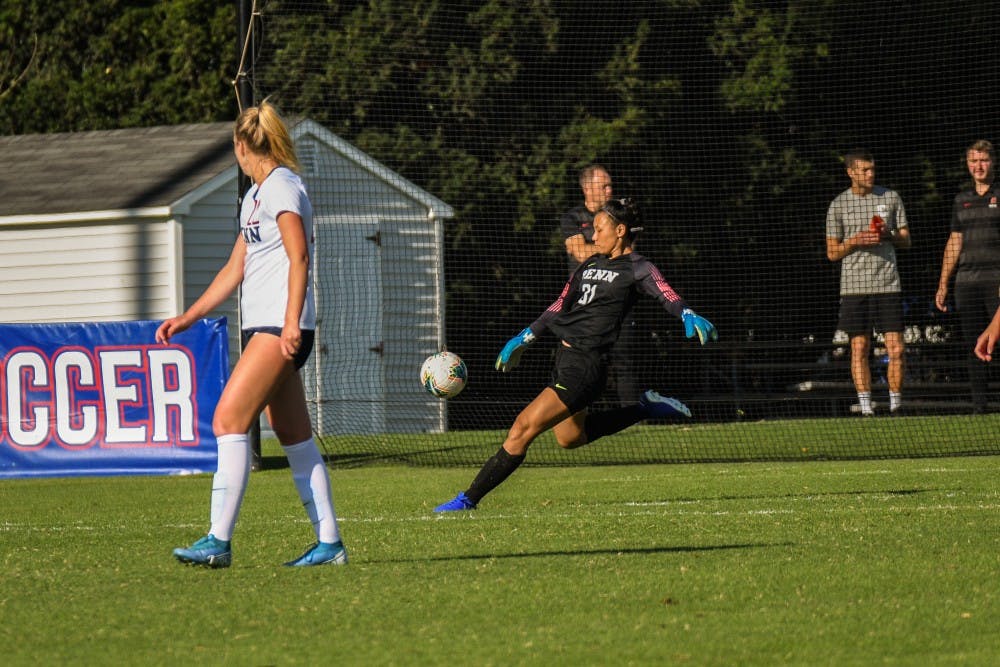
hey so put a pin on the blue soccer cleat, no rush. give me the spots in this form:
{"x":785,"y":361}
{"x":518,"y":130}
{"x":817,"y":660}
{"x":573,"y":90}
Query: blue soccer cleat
{"x":456,"y":504}
{"x":662,"y":407}
{"x":207,"y":551}
{"x":321,"y":553}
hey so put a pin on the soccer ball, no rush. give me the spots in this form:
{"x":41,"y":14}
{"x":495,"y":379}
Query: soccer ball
{"x":444,"y":374}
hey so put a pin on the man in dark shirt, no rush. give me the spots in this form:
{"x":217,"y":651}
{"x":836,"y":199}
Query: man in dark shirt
{"x":974,"y":249}
{"x":577,"y":226}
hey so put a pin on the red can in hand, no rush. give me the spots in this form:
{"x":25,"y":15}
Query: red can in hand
{"x":877,"y":224}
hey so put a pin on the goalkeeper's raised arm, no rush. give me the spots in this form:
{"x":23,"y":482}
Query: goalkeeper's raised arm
{"x":586,"y":319}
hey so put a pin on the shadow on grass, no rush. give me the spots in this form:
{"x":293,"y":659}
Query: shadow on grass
{"x":340,"y":461}
{"x":821,"y":494}
{"x":594,"y":552}
{"x":358,"y":459}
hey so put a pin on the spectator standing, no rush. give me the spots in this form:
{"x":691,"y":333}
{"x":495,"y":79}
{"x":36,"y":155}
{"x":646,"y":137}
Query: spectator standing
{"x":577,"y":224}
{"x":865,"y":224}
{"x":270,"y":264}
{"x":973,"y":248}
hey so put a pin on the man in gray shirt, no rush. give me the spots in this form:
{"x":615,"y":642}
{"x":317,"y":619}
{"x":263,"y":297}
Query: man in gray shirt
{"x":864,"y":226}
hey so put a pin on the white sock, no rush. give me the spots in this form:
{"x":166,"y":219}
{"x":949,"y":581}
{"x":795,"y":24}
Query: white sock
{"x":865,"y":401}
{"x":895,"y":399}
{"x":229,"y":484}
{"x":313,"y":485}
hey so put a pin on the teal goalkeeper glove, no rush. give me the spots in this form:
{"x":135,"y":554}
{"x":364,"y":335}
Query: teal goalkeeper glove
{"x":695,"y":323}
{"x":511,"y":352}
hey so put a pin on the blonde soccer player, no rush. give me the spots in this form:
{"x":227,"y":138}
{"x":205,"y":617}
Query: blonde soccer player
{"x":270,"y":263}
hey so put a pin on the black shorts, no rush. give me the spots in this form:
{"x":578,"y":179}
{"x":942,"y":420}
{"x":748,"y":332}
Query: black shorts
{"x":860,"y":313}
{"x":579,"y":377}
{"x":305,"y":349}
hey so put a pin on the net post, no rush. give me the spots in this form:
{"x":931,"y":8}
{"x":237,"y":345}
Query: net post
{"x":244,"y":96}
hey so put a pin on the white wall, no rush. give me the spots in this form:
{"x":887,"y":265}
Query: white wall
{"x":210,"y":230}
{"x":85,"y":272}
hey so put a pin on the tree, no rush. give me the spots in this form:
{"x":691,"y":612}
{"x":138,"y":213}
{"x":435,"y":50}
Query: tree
{"x":109,"y":64}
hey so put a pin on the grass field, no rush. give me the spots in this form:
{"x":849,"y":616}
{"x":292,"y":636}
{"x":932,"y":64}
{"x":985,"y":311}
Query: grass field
{"x":775,"y":440}
{"x":801,"y":563}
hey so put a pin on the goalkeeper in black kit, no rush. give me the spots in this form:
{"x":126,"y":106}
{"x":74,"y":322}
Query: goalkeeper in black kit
{"x":586,"y":318}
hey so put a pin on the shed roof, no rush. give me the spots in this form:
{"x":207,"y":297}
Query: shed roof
{"x":62,"y":176}
{"x":110,"y":170}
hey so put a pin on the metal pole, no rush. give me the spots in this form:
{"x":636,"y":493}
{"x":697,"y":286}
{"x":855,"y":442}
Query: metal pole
{"x":244,"y":96}
{"x":244,"y":89}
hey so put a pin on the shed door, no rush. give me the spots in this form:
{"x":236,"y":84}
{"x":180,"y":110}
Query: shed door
{"x":345,"y":378}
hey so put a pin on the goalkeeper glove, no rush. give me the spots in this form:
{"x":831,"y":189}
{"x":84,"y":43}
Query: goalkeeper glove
{"x":511,"y":352}
{"x":695,"y":323}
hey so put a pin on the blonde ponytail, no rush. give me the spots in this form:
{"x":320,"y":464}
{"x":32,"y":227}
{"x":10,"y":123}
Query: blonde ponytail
{"x":265,"y":133}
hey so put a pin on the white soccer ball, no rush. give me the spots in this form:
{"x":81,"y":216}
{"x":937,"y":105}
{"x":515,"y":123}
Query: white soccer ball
{"x":444,"y":374}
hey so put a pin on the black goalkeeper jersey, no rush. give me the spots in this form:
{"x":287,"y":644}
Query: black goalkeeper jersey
{"x":588,"y":314}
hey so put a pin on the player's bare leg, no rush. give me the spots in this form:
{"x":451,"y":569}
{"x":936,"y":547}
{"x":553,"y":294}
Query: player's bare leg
{"x":289,"y":417}
{"x":544,"y":412}
{"x":261,"y":369}
{"x":572,"y":432}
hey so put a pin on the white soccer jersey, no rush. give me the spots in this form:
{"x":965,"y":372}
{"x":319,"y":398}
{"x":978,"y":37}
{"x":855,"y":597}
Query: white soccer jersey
{"x":264,"y":292}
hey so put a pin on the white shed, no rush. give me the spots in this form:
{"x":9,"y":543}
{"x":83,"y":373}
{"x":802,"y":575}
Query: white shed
{"x":133,"y":224}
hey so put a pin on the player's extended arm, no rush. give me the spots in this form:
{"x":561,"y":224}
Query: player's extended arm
{"x":510,"y":355}
{"x":653,"y":283}
{"x":225,"y":283}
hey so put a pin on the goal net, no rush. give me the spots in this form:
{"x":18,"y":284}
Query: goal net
{"x":442,"y":144}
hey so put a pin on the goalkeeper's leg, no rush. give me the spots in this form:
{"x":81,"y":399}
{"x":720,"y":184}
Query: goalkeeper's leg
{"x":571,"y":431}
{"x":596,"y":425}
{"x":539,"y":416}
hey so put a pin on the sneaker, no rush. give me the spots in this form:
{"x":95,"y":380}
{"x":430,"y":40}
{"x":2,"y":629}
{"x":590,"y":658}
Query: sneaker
{"x":456,"y":504}
{"x":660,"y":407}
{"x":206,"y":551}
{"x":321,"y":553}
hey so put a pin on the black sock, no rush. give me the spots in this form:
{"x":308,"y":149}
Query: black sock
{"x":600,"y":424}
{"x":496,"y":469}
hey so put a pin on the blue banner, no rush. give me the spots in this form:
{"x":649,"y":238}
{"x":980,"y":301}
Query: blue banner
{"x":107,"y":399}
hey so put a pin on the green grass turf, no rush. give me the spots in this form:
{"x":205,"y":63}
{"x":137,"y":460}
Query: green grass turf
{"x":776,"y":440}
{"x":803,"y":563}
